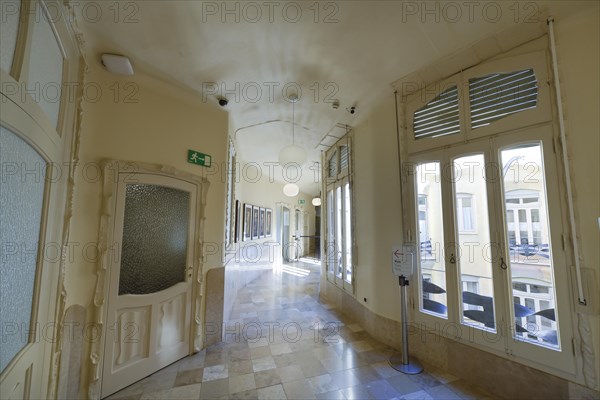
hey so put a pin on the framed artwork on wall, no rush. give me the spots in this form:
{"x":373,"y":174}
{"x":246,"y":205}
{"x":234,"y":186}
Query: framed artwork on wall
{"x":247,"y":230}
{"x":268,"y":222}
{"x":236,"y":225}
{"x":261,"y":223}
{"x":255,"y":221}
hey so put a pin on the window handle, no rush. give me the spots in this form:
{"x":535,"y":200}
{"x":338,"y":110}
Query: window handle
{"x":452,"y":259}
{"x":503,"y":263}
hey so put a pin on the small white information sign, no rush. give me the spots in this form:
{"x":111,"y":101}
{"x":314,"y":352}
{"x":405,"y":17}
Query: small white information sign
{"x":402,"y":261}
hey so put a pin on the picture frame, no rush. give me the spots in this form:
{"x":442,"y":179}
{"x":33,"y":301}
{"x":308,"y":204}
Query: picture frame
{"x":237,"y":224}
{"x":261,"y":223}
{"x":247,"y":230}
{"x":268,"y":222}
{"x":255,"y":222}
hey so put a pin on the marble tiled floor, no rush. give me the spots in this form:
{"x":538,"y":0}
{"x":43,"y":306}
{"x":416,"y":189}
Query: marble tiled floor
{"x":282,"y":343}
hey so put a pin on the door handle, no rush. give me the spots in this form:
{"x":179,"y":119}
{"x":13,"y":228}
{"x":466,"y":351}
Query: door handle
{"x":503,"y":263}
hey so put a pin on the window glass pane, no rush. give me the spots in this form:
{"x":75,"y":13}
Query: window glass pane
{"x":531,"y":326}
{"x":155,"y":238}
{"x":512,"y":238}
{"x":530,"y":262}
{"x":347,"y":232}
{"x":510,"y":216}
{"x":431,"y":259}
{"x":464,"y":212}
{"x":539,"y":289}
{"x":520,"y":286}
{"x":45,"y":66}
{"x":330,"y":232}
{"x":8,"y":32}
{"x":475,"y":259}
{"x":546,"y":319}
{"x":338,"y":231}
{"x":21,"y":202}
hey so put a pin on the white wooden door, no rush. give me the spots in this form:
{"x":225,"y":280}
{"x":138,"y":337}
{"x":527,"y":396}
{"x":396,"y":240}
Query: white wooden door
{"x":149,"y":302}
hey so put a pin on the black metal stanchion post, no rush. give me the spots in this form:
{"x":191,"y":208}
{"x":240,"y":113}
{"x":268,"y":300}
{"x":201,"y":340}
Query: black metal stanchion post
{"x":403,"y":362}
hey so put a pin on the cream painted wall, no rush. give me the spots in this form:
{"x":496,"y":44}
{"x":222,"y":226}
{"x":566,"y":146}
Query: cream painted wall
{"x":578,"y":52}
{"x":377,"y":207}
{"x":155,"y":124}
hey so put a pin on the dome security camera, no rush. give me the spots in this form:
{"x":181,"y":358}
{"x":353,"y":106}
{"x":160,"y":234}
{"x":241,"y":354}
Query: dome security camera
{"x":223,"y":101}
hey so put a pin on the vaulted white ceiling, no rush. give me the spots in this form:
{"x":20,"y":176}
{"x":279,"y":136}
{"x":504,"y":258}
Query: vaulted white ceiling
{"x":257,"y":53}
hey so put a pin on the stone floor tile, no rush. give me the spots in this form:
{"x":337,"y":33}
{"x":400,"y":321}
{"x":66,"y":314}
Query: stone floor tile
{"x":189,"y":377}
{"x":214,"y":389}
{"x":275,"y":392}
{"x":298,"y":390}
{"x":215,"y":372}
{"x":189,"y":392}
{"x":241,"y":383}
{"x":290,"y":373}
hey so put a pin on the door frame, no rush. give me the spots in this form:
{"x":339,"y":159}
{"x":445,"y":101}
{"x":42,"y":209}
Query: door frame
{"x":113,"y":170}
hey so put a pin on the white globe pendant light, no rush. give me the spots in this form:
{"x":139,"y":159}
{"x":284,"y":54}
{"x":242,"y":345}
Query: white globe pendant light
{"x":291,"y":190}
{"x":316,"y":201}
{"x":292,"y":153}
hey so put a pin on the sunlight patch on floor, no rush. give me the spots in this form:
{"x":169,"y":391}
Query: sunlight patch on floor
{"x":310,"y":260}
{"x":289,"y":269}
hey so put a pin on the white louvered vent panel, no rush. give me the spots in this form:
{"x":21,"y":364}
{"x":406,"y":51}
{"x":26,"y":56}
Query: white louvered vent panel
{"x":343,"y":157}
{"x":440,"y":117}
{"x":496,"y":96}
{"x":333,"y":166}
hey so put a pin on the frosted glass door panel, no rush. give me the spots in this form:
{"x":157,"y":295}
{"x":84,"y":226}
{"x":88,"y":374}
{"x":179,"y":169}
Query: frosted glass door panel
{"x":9,"y":27}
{"x":155,"y":237}
{"x":45,"y":67}
{"x":21,"y":203}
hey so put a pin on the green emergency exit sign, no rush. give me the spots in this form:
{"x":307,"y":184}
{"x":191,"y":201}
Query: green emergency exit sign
{"x":195,"y":157}
{"x":301,"y":201}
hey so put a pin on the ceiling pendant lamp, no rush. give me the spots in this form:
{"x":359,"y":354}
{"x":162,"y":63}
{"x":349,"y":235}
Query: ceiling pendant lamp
{"x":292,"y":153}
{"x":291,"y":190}
{"x":316,"y":201}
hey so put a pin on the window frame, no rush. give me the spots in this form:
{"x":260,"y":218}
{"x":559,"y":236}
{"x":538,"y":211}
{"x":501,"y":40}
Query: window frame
{"x":230,"y":203}
{"x":562,"y":361}
{"x":534,"y":125}
{"x":331,"y":185}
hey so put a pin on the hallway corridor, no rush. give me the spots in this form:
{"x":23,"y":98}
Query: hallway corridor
{"x":282,"y":343}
